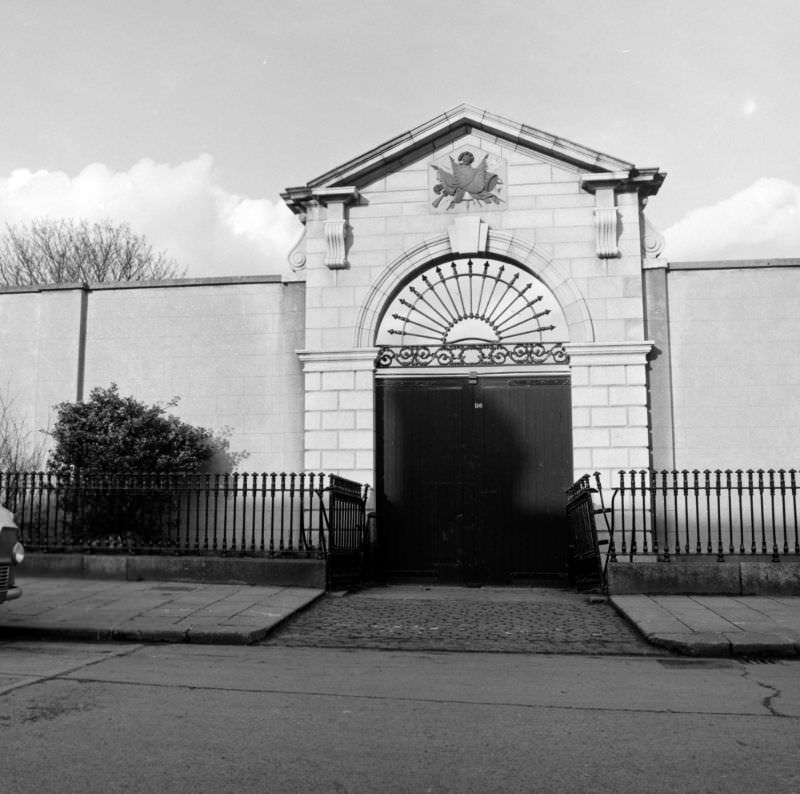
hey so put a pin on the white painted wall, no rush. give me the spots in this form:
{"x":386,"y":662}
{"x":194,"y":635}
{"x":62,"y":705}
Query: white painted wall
{"x":226,"y":348}
{"x":735,"y":366}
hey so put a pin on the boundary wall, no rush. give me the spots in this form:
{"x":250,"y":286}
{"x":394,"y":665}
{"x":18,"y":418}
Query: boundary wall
{"x":226,"y":347}
{"x":725,"y":375}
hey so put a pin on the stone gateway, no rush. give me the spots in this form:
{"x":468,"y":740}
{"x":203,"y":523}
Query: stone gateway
{"x":477,"y":312}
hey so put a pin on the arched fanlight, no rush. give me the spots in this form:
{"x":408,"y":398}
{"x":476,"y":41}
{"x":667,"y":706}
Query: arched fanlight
{"x":464,"y":312}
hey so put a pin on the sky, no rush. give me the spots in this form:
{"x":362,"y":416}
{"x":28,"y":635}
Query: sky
{"x":187,"y":118}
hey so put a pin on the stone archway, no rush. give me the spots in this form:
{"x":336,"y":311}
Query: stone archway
{"x":505,"y":244}
{"x":473,"y":422}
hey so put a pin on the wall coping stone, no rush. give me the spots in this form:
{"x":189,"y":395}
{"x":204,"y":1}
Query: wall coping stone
{"x":733,"y":264}
{"x":210,"y":281}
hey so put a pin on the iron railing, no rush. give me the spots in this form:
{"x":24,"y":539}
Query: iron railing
{"x":270,"y":515}
{"x":719,"y":513}
{"x":586,"y":566}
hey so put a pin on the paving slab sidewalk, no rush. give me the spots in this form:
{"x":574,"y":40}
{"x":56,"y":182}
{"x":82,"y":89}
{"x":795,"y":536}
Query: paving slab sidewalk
{"x":88,"y":609}
{"x":696,"y":625}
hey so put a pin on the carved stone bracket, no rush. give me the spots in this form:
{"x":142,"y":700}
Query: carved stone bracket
{"x":606,"y":224}
{"x":335,"y":243}
{"x":654,"y":241}
{"x":335,"y":227}
{"x":605,"y":186}
{"x":297,"y":256}
{"x":329,"y":205}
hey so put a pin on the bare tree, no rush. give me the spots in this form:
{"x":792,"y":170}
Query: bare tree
{"x":48,"y":251}
{"x":21,"y":449}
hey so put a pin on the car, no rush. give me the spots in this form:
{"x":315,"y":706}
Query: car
{"x":11,"y":554}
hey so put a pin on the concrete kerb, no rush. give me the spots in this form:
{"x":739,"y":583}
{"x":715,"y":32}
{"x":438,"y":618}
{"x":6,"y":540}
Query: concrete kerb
{"x":664,"y":630}
{"x":127,"y":619}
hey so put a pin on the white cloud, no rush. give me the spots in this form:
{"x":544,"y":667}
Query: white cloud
{"x":180,"y":209}
{"x":760,"y":222}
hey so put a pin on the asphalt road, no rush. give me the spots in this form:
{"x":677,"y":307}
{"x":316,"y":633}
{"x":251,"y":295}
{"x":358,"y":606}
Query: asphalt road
{"x":182,"y":718}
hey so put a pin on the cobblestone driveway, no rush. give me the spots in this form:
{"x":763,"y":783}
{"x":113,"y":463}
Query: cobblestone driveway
{"x":521,"y":620}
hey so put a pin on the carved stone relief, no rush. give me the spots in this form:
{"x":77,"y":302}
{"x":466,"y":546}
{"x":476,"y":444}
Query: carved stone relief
{"x":467,"y":180}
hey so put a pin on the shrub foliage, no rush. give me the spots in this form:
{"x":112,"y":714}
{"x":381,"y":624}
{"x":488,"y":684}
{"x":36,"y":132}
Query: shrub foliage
{"x":104,"y":445}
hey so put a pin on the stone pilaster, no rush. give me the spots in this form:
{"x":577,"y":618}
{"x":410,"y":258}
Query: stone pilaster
{"x":610,"y":427}
{"x":340,"y":412}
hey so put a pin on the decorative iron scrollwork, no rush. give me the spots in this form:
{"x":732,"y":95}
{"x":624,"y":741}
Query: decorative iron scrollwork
{"x":465,"y":303}
{"x":472,"y":355}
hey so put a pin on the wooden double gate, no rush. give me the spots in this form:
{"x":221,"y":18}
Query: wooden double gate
{"x":471,"y":478}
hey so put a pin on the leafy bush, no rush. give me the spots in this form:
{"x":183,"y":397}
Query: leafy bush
{"x":103,"y":447}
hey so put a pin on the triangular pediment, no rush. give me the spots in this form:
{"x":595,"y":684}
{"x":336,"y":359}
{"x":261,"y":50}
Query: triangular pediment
{"x":463,"y":120}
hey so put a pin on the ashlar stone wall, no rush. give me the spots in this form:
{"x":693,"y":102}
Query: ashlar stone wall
{"x":548,"y":217}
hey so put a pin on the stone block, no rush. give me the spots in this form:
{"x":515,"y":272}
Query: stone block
{"x":37,"y":564}
{"x":589,"y":395}
{"x":407,"y":179}
{"x":398,"y":197}
{"x":341,"y":297}
{"x":313,"y":420}
{"x":357,"y":400}
{"x":624,"y":307}
{"x":582,"y":461}
{"x":356,"y":439}
{"x":338,"y":420}
{"x":565,"y":200}
{"x":581,"y":416}
{"x":104,"y":566}
{"x":771,"y":578}
{"x":609,"y":417}
{"x":565,"y":234}
{"x":627,"y":395}
{"x":590,"y":437}
{"x":628,"y":437}
{"x":635,"y":375}
{"x":322,"y":439}
{"x":678,"y":577}
{"x":579,"y":216}
{"x":637,"y":416}
{"x":338,"y":381}
{"x":535,"y":173}
{"x":365,"y":420}
{"x":579,"y":376}
{"x":607,"y":375}
{"x":364,"y":380}
{"x":312,"y":460}
{"x":527,"y":219}
{"x":608,"y":330}
{"x":639,"y":456}
{"x":322,"y":401}
{"x":338,"y":460}
{"x":613,"y":458}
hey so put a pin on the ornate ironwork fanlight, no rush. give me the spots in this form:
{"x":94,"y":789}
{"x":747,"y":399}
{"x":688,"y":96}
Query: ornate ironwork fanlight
{"x":466,"y":314}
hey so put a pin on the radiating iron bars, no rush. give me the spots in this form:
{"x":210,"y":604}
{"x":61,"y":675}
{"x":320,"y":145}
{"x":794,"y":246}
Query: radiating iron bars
{"x":710,"y":512}
{"x":255,"y":514}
